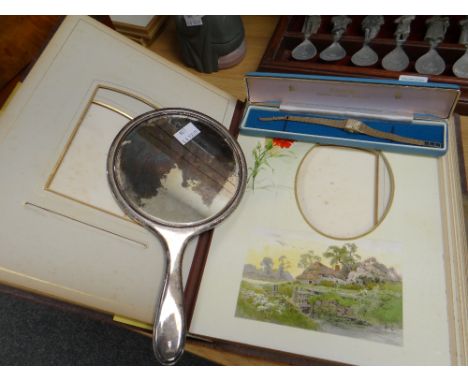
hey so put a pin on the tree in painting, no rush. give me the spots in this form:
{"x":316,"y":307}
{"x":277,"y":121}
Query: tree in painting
{"x":307,"y":259}
{"x":283,"y":266}
{"x":345,"y":256}
{"x":267,"y":265}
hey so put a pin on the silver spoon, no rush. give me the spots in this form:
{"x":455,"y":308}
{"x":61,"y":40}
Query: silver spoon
{"x":335,"y":51}
{"x":397,"y":60}
{"x":460,"y":68}
{"x":306,"y":49}
{"x":366,"y":56}
{"x":432,"y":62}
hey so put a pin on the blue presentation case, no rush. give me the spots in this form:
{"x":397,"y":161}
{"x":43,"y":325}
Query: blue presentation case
{"x":408,"y":108}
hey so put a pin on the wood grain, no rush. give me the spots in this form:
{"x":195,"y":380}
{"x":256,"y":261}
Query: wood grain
{"x":21,"y":40}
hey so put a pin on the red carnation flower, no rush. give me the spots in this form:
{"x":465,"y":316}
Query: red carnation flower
{"x":283,"y":143}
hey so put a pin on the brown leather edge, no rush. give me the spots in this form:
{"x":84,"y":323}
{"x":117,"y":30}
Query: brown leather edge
{"x":196,"y":272}
{"x":268,"y":355}
{"x":204,"y":241}
{"x":461,"y":155}
{"x":234,"y":128}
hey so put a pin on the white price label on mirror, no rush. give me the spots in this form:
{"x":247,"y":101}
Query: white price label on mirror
{"x":187,"y":133}
{"x":193,"y":21}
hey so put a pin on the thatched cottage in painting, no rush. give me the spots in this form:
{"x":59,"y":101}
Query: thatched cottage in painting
{"x":318,"y":272}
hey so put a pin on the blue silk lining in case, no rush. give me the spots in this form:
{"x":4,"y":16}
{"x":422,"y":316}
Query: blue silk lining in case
{"x":426,"y":131}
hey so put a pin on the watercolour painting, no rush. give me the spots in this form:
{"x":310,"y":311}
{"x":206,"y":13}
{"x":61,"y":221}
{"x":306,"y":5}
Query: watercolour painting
{"x":337,"y":291}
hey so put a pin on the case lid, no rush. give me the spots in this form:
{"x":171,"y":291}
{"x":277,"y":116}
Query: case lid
{"x":389,"y":99}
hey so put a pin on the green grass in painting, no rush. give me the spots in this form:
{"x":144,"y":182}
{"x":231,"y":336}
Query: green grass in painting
{"x":334,"y":298}
{"x":386,"y":308}
{"x":380,"y":305}
{"x":259,"y":303}
{"x":286,"y":289}
{"x":372,"y":305}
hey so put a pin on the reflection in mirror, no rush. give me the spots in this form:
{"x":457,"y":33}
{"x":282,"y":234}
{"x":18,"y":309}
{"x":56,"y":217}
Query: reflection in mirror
{"x":176,"y":169}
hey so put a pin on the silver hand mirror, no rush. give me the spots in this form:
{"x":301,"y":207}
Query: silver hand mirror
{"x":178,"y":173}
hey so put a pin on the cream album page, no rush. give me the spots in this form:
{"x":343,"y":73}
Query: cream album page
{"x":62,"y":234}
{"x":334,"y":253}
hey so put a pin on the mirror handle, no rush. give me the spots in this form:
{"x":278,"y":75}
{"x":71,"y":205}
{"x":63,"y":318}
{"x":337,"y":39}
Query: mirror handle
{"x":169,"y":328}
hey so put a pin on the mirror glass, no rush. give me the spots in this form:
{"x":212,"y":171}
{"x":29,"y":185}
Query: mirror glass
{"x":176,"y":169}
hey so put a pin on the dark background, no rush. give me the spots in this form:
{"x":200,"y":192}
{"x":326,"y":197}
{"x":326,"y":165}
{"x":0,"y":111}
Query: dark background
{"x":36,"y":334}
